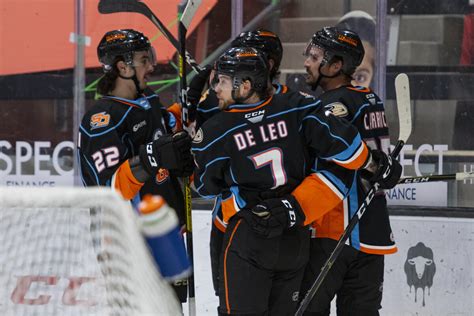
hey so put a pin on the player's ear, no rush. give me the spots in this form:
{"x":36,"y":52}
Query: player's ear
{"x":122,"y":67}
{"x":247,"y":84}
{"x":336,"y":66}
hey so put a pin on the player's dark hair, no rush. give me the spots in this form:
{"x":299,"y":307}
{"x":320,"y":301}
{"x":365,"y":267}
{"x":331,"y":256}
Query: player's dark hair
{"x":108,"y":81}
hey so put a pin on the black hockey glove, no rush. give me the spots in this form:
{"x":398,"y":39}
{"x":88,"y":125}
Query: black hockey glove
{"x":271,"y":217}
{"x":382,"y":169}
{"x":195,"y":88}
{"x":172,"y":152}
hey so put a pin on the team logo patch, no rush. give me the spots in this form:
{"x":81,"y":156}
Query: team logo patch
{"x":336,"y":109}
{"x":162,"y":175}
{"x":101,"y":119}
{"x":199,"y":136}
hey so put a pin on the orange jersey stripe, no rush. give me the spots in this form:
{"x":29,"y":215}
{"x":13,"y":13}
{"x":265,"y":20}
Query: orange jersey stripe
{"x":229,"y":209}
{"x":378,"y":251}
{"x":175,"y":110}
{"x":220,"y":226}
{"x":227,"y":303}
{"x":316,"y":198}
{"x":359,"y":90}
{"x":358,"y":159}
{"x":124,"y":182}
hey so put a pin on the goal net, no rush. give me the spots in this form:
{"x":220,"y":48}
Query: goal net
{"x":76,"y":251}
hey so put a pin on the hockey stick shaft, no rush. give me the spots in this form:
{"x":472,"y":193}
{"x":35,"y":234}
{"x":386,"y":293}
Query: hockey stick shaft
{"x":116,"y":6}
{"x":404,"y":112}
{"x":187,"y":188}
{"x":460,"y":176}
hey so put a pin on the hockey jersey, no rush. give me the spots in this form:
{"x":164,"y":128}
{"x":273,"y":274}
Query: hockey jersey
{"x":111,"y":132}
{"x":362,"y":108}
{"x":253,"y":148}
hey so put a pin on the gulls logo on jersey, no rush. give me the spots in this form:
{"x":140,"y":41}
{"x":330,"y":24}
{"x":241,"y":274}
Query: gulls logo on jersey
{"x":98,"y":120}
{"x":336,"y":109}
{"x":256,"y":116}
{"x":199,"y":136}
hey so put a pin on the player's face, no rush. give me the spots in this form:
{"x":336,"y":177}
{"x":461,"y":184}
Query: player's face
{"x":314,"y":57}
{"x":365,"y":72}
{"x":223,"y":87}
{"x":144,"y":64}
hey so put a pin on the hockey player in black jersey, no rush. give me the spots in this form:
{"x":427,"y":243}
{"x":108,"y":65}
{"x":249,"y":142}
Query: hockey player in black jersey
{"x":332,"y":56}
{"x":258,"y":145}
{"x":126,"y":139}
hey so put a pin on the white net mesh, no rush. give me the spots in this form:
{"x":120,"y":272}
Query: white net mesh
{"x":74,"y":251}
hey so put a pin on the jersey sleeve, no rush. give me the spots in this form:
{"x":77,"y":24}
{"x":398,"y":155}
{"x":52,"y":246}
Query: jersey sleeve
{"x":211,"y":161}
{"x":331,"y":138}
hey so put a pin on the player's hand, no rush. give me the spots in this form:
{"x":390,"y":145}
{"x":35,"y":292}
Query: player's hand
{"x":271,"y":217}
{"x":384,"y":170}
{"x":172,"y":152}
{"x":195,"y":88}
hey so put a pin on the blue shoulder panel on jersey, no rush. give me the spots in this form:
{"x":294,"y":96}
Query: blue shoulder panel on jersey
{"x":108,"y":129}
{"x":313,"y":117}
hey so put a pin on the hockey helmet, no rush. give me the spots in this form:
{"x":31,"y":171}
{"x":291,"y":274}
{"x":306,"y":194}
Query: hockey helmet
{"x":340,"y":43}
{"x":266,"y":41}
{"x":244,"y":63}
{"x":122,"y":44}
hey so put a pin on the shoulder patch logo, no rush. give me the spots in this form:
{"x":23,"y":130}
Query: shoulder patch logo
{"x":101,"y":119}
{"x":198,"y":137}
{"x":337,"y":109}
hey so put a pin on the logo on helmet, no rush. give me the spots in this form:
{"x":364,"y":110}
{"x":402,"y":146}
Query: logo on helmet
{"x":346,"y":39}
{"x":116,"y":36}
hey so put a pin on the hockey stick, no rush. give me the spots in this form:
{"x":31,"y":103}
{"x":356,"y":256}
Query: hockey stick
{"x":459,"y":176}
{"x":136,"y":6}
{"x":404,"y":113}
{"x":189,"y":9}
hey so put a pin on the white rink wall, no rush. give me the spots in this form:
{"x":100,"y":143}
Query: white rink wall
{"x":451,"y":241}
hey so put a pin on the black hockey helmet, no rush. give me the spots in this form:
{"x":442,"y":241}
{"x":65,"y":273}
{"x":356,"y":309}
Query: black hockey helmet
{"x":340,"y":43}
{"x":244,"y":63}
{"x":266,"y":41}
{"x":122,"y":44}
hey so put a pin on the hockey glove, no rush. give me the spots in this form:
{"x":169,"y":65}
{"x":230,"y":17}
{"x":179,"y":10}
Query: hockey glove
{"x":382,"y":169}
{"x":271,"y":217}
{"x":172,"y":152}
{"x":195,"y":88}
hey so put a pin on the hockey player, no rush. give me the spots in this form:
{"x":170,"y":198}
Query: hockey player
{"x":264,"y":40}
{"x":126,"y":139}
{"x":269,"y":43}
{"x":259,"y":146}
{"x":332,"y":56}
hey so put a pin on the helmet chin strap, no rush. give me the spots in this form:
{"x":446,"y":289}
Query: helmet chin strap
{"x":321,"y":76}
{"x":135,"y":80}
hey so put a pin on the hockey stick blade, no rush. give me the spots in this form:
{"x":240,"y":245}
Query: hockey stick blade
{"x":115,"y":6}
{"x":402,"y":91}
{"x":189,"y":12}
{"x":460,"y":176}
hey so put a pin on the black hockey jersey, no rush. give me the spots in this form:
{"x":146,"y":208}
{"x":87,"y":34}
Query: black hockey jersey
{"x":253,"y":148}
{"x":363,"y":108}
{"x":111,"y":133}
